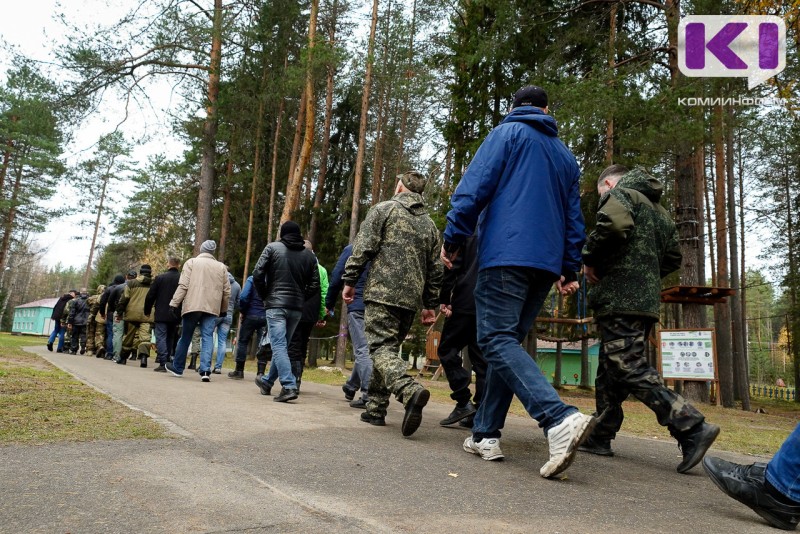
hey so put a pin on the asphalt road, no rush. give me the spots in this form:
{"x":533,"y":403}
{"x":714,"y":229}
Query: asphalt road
{"x":240,"y":462}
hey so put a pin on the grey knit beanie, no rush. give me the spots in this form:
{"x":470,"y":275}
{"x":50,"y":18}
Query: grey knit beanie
{"x":208,"y":246}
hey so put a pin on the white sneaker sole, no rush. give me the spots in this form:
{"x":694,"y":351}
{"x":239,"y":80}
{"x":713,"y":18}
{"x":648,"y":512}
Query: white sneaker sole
{"x":488,"y":457}
{"x":553,"y":468}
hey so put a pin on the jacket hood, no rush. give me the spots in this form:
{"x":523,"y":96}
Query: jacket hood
{"x":293,"y":241}
{"x":412,"y":202}
{"x":231,"y":279}
{"x":533,"y":117}
{"x":643,"y":182}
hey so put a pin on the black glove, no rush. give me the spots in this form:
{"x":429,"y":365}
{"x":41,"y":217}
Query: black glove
{"x":175,"y":312}
{"x":223,"y":315}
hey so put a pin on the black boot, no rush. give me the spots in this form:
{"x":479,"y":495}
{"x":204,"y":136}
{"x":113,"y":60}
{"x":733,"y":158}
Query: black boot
{"x":297,"y":371}
{"x":142,"y":359}
{"x":694,"y":443}
{"x":193,"y":361}
{"x":262,"y":367}
{"x":100,"y":353}
{"x":238,"y":373}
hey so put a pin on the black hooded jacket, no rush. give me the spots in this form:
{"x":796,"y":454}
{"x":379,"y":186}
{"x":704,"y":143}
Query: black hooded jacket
{"x":58,"y":310}
{"x":160,"y":294}
{"x":286,"y":274}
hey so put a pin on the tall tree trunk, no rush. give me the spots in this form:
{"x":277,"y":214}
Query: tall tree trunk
{"x":793,"y":322}
{"x":362,"y":141}
{"x":740,"y":375}
{"x":294,"y":159}
{"x":293,"y":193}
{"x":206,"y":192}
{"x":709,"y":230}
{"x":271,"y":216}
{"x":256,"y":171}
{"x":11,"y":216}
{"x":612,"y":61}
{"x":226,"y":200}
{"x":106,"y":177}
{"x":7,"y":157}
{"x":722,"y":312}
{"x":384,"y":97}
{"x":407,"y":90}
{"x":743,"y":270}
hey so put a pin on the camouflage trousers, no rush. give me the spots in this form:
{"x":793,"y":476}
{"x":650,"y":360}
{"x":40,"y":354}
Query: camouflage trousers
{"x":99,"y":337}
{"x":91,"y":329}
{"x":136,"y":338}
{"x":623,"y":370}
{"x":386,"y":327}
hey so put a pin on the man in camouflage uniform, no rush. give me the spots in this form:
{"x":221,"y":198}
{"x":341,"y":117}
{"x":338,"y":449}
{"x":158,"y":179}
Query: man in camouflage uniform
{"x":137,"y":324}
{"x":95,"y":329}
{"x":402,"y":242}
{"x":632,"y":247}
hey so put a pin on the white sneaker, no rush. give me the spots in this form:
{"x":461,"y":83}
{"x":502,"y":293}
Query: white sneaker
{"x":487,"y":448}
{"x":564,"y":440}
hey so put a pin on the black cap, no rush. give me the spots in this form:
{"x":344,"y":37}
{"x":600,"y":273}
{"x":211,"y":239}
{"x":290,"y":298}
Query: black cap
{"x":530,"y":95}
{"x":145,"y":269}
{"x":118,"y":279}
{"x":132,"y":273}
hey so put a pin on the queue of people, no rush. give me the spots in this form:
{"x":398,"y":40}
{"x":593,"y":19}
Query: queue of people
{"x":514,"y":231}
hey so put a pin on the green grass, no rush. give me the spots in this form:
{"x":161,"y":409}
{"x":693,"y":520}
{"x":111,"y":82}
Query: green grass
{"x":41,"y":404}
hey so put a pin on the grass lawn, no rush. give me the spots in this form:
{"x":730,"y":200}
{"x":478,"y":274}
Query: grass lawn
{"x":42,"y":404}
{"x":744,"y":432}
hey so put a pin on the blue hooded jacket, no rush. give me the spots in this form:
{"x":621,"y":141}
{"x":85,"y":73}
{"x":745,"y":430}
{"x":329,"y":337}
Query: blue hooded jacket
{"x":522,"y":190}
{"x":249,"y":302}
{"x":336,"y":284}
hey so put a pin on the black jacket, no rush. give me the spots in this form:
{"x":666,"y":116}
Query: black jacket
{"x":458,"y":286}
{"x":79,"y":314}
{"x":104,"y":298}
{"x":161,"y":291}
{"x":113,"y":299}
{"x":285,"y":276}
{"x":58,"y":310}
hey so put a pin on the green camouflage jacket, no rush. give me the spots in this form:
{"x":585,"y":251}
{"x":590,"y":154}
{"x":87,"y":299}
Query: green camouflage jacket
{"x":402,"y":242}
{"x":131,"y":304}
{"x":634,"y":245}
{"x":94,"y":305}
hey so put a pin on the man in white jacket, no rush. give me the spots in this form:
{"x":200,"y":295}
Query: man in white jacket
{"x":204,"y":291}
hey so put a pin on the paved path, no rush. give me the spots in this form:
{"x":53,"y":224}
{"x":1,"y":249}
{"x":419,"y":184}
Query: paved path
{"x":240,"y":462}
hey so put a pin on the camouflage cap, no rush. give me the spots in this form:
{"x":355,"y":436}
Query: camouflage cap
{"x":414,"y":181}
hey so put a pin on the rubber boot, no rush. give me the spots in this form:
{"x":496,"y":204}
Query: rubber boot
{"x":261,"y":368}
{"x":297,"y":371}
{"x":193,"y":361}
{"x":143,"y":359}
{"x":238,"y":373}
{"x":123,"y":357}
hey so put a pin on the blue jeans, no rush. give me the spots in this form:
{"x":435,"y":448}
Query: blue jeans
{"x":190,"y":321}
{"x":59,"y":331}
{"x":281,"y":325}
{"x":110,"y":336}
{"x":223,"y":327}
{"x":783,"y":471}
{"x":165,"y":340}
{"x":507,"y":301}
{"x":362,"y":367}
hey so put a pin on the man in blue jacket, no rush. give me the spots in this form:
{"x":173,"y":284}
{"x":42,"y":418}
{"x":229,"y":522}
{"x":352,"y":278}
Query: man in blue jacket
{"x":522,"y":192}
{"x":254,"y":320}
{"x":362,"y":366}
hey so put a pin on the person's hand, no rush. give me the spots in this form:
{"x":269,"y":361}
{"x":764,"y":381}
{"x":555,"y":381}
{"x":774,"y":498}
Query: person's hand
{"x":428,"y":317}
{"x":448,"y":257}
{"x":348,"y":294}
{"x":568,"y":288}
{"x":446,"y":309}
{"x":223,"y":315}
{"x":321,"y":323}
{"x":175,"y":312}
{"x":590,"y":274}
{"x":103,"y":316}
{"x":117,"y":318}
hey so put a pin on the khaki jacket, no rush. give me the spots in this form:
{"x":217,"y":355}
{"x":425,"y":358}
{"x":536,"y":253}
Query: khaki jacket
{"x":203,"y":286}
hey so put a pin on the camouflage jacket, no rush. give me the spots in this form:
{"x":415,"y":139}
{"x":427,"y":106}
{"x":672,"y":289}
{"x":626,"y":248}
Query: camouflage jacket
{"x":94,"y":306}
{"x":634,"y":245}
{"x":131,"y":304}
{"x":402,"y":242}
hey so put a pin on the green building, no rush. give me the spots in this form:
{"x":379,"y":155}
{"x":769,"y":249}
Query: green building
{"x":570,"y":360}
{"x":34,"y":317}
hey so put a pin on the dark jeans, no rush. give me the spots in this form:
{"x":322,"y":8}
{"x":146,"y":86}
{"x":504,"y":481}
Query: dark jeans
{"x":461,"y":330}
{"x":251,"y":324}
{"x":623,"y":370}
{"x":507,"y":300}
{"x":78,"y":336}
{"x":110,"y":335}
{"x":166,"y":339}
{"x":58,"y":331}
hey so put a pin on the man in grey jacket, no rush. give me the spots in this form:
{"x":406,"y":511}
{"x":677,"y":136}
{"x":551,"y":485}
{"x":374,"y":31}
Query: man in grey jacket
{"x":204,"y":291}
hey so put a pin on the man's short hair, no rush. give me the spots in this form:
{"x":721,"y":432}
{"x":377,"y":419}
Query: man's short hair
{"x":173,"y":261}
{"x":612,"y":173}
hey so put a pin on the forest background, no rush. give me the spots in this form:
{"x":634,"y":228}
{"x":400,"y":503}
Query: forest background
{"x":309,"y":109}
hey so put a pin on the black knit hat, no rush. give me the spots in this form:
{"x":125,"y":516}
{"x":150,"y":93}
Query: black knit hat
{"x":290,"y":227}
{"x":145,"y":269}
{"x":118,"y":279}
{"x":530,"y":95}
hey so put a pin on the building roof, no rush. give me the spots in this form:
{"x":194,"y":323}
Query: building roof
{"x":566,"y":345}
{"x":41,"y":303}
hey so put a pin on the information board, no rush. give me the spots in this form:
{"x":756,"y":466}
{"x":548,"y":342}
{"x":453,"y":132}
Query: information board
{"x":688,"y":354}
